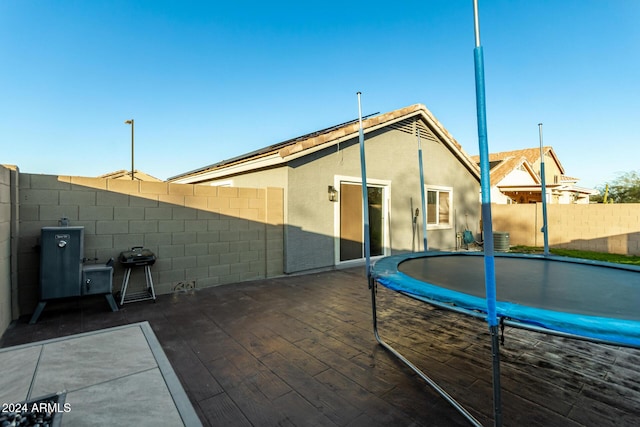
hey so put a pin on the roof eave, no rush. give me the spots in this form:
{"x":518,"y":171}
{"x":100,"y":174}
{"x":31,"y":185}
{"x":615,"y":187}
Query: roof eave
{"x":237,"y":168}
{"x":303,"y":148}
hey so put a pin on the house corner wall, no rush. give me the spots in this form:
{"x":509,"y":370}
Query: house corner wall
{"x":6,"y":245}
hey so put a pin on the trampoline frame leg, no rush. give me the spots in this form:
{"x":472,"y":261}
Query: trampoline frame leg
{"x":497,"y":394}
{"x":429,"y":381}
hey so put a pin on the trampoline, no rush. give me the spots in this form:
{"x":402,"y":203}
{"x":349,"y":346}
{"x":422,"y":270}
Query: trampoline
{"x":582,"y":299}
{"x":563,"y":296}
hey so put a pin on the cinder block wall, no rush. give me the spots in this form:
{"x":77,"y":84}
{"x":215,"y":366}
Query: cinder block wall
{"x":202,"y":235}
{"x":613,"y":228}
{"x":5,"y":248}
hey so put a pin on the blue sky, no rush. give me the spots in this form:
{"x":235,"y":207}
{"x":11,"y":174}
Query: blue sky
{"x":206,"y":81}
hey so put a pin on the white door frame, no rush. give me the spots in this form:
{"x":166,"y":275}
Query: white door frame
{"x":386,"y":202}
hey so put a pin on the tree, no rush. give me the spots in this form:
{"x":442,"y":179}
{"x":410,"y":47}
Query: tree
{"x":624,"y":189}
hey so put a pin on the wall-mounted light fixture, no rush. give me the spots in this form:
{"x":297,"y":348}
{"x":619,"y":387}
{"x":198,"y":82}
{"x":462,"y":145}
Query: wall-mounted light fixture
{"x":333,"y":194}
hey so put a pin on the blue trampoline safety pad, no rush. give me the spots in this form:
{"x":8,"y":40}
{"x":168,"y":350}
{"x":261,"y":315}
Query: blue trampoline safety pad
{"x":592,"y":300}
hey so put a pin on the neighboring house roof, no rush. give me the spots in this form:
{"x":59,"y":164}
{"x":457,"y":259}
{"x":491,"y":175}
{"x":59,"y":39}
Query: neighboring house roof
{"x":550,"y":187}
{"x":582,"y":190}
{"x":318,"y":140}
{"x":568,"y":179}
{"x":126,"y":174}
{"x":502,"y":163}
{"x":531,"y":154}
{"x":504,"y":167}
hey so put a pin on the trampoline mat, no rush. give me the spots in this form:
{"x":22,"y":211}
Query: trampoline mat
{"x":568,"y":287}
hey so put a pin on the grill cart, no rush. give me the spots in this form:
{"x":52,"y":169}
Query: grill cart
{"x":137,"y":257}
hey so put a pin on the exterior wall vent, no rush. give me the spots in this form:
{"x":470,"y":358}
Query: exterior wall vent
{"x":406,"y":126}
{"x":411,"y":126}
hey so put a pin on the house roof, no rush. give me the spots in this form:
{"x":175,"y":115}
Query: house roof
{"x":565,"y":178}
{"x":126,"y":174}
{"x":317,"y":140}
{"x":554,"y":188}
{"x":531,"y":154}
{"x":502,"y":163}
{"x":506,"y":166}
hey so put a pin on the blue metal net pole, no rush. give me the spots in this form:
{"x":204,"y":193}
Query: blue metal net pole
{"x":485,"y":186}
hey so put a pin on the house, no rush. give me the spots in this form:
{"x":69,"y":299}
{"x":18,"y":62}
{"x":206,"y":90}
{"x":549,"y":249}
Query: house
{"x":321,"y":176}
{"x":515,"y":178}
{"x":126,"y":174}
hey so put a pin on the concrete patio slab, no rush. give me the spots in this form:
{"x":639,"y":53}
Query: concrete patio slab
{"x":116,"y":376}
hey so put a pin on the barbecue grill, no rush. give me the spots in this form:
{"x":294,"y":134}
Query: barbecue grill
{"x":137,"y":257}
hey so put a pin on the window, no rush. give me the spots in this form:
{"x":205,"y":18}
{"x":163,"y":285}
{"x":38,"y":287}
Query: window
{"x":439,"y":207}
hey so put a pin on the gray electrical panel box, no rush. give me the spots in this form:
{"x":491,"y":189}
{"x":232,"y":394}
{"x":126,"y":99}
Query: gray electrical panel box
{"x":61,"y":253}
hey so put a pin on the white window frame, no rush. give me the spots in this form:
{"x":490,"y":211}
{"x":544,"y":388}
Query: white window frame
{"x":439,"y":189}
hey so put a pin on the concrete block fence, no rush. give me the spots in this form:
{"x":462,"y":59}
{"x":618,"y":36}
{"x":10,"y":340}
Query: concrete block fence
{"x":207,"y":236}
{"x":612,"y":228}
{"x":7,"y":175}
{"x":202,"y":235}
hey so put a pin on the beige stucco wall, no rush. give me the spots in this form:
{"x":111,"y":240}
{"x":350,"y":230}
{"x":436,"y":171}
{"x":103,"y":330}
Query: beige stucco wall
{"x":613,"y":228}
{"x":202,"y":235}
